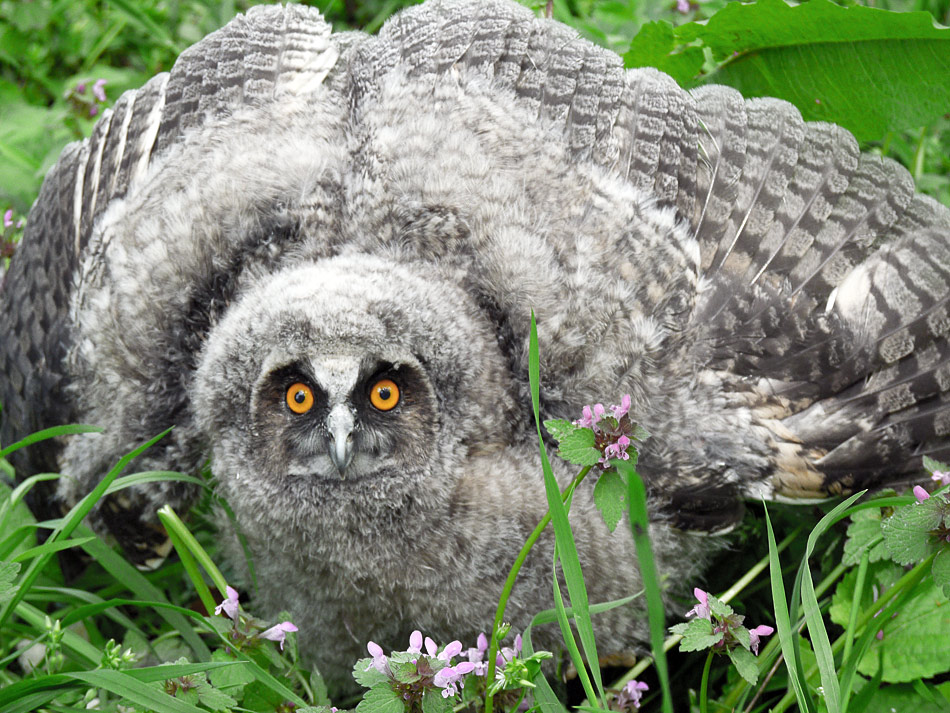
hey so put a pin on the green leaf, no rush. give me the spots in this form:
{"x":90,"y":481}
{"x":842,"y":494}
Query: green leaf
{"x":870,"y":70}
{"x":697,"y":635}
{"x":559,"y":428}
{"x":433,"y":702}
{"x":8,"y":573}
{"x":212,"y":698}
{"x":907,"y":531}
{"x":236,"y":676}
{"x":940,"y":571}
{"x":577,"y":447}
{"x":931,"y":465}
{"x":745,"y":664}
{"x":380,"y":699}
{"x":888,"y":699}
{"x":718,"y":607}
{"x":655,"y":46}
{"x":609,"y":496}
{"x":640,"y":433}
{"x":366,"y":675}
{"x":864,"y":532}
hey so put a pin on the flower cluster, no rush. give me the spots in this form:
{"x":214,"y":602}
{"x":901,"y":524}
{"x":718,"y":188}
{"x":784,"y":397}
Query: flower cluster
{"x":250,"y":631}
{"x":9,"y":235}
{"x":614,"y":433}
{"x":629,"y":697}
{"x":87,"y":103}
{"x":728,"y":624}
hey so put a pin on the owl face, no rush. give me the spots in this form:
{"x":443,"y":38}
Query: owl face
{"x":349,"y":383}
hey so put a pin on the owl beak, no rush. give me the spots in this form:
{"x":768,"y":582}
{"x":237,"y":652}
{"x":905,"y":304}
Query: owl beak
{"x":340,"y":424}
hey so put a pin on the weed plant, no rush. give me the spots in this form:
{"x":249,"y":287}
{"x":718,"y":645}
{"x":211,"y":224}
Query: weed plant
{"x":849,"y":607}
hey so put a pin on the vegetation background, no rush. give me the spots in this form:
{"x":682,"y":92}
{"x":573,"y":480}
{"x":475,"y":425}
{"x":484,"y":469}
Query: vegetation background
{"x":823,"y":61}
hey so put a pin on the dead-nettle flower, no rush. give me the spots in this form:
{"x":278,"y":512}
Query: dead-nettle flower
{"x":921,"y":494}
{"x":477,"y":653}
{"x":726,"y":622}
{"x":98,"y":89}
{"x":230,"y":604}
{"x":612,"y":434}
{"x":8,"y":218}
{"x":448,"y":678}
{"x":941,"y":477}
{"x":508,"y":653}
{"x":279,"y":632}
{"x":630,"y":696}
{"x":230,"y":607}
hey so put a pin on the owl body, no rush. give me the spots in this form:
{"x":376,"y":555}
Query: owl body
{"x":292,"y":230}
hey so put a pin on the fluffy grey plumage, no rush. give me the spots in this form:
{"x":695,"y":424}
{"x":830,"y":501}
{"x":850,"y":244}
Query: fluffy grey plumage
{"x":289,"y":206}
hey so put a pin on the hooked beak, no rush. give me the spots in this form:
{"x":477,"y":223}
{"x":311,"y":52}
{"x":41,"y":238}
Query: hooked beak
{"x":340,"y":424}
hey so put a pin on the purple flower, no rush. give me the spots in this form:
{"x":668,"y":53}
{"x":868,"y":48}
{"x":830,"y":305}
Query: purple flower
{"x":81,"y":88}
{"x":379,"y":662}
{"x":588,"y":419}
{"x":98,"y":91}
{"x":415,"y":643}
{"x":618,"y":449}
{"x":475,"y":655}
{"x":921,"y":494}
{"x":508,"y":653}
{"x":624,"y":407}
{"x":451,"y":649}
{"x":230,"y":605}
{"x":941,"y":477}
{"x":93,"y":110}
{"x":630,"y":695}
{"x":756,"y":633}
{"x":279,"y":633}
{"x":701,"y":610}
{"x":8,"y":218}
{"x":448,"y":678}
{"x":682,"y":6}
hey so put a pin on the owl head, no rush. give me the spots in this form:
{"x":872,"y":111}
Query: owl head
{"x":351,"y":384}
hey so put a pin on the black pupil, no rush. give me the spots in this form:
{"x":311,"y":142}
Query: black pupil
{"x":300,"y":396}
{"x":384,"y":393}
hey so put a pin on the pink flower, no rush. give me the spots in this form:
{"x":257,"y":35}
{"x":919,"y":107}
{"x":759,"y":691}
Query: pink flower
{"x":451,"y":650}
{"x":379,"y":662}
{"x":279,"y":632}
{"x":81,"y":88}
{"x":682,"y":6}
{"x":415,"y":642}
{"x":98,"y":91}
{"x":448,"y":678}
{"x":590,"y":417}
{"x":93,"y":110}
{"x":8,"y":218}
{"x":508,"y":653}
{"x":230,"y":605}
{"x":631,"y":695}
{"x":475,"y":655}
{"x":624,"y":407}
{"x":921,"y":494}
{"x":618,"y":449}
{"x":756,"y":633}
{"x":701,"y":610}
{"x":940,"y":477}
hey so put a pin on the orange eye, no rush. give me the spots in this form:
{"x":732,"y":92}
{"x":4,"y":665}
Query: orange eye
{"x":384,"y":395}
{"x":299,"y":398}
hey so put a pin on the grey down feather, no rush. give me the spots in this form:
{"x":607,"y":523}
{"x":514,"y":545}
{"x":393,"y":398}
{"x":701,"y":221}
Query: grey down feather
{"x":774,"y":300}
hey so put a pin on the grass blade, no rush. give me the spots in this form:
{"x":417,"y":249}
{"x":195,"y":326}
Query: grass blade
{"x":639,"y":524}
{"x":47,"y":433}
{"x":568,"y":635}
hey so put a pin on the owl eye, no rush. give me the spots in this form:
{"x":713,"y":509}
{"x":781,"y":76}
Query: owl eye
{"x":299,"y":398}
{"x":384,"y":395}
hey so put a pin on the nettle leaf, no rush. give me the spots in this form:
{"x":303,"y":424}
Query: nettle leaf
{"x":405,"y":671}
{"x":941,"y":570}
{"x":744,"y":661}
{"x":880,"y":575}
{"x":640,"y":433}
{"x":865,"y":529}
{"x":380,"y":699}
{"x":719,"y":608}
{"x":366,"y":675}
{"x":870,"y":70}
{"x":8,"y":573}
{"x":433,"y":702}
{"x":907,"y":532}
{"x":741,"y":634}
{"x":212,"y":698}
{"x":697,"y":635}
{"x":931,"y":465}
{"x":655,"y":46}
{"x":559,"y":428}
{"x":228,"y":677}
{"x":609,"y":495}
{"x":577,"y":447}
{"x":906,"y":697}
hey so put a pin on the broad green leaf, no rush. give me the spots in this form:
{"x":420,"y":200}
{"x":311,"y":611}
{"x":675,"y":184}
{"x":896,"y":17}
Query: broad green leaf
{"x":941,"y":570}
{"x":577,"y":447}
{"x":718,"y":607}
{"x":931,"y":465}
{"x":8,"y":573}
{"x":870,"y":70}
{"x":609,"y":496}
{"x":229,"y":676}
{"x":214,"y":699}
{"x":889,"y":699}
{"x":907,"y":532}
{"x":697,"y":635}
{"x":655,"y":46}
{"x":366,"y":675}
{"x":744,"y":661}
{"x":559,"y":428}
{"x":433,"y":702}
{"x":864,"y":532}
{"x":380,"y":699}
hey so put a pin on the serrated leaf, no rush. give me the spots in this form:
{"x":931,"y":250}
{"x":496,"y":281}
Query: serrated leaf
{"x":228,"y":676}
{"x":8,"y":573}
{"x":380,"y":699}
{"x":697,"y":635}
{"x":870,"y":70}
{"x":433,"y":702}
{"x":742,"y":635}
{"x":888,"y":699}
{"x":578,"y":447}
{"x":865,"y":529}
{"x":405,"y":671}
{"x":941,"y":571}
{"x":559,"y":428}
{"x":366,"y":675}
{"x":609,"y":495}
{"x":719,"y":608}
{"x":931,"y":465}
{"x":744,"y":661}
{"x":655,"y":46}
{"x":212,"y":698}
{"x":640,"y":433}
{"x":907,"y":532}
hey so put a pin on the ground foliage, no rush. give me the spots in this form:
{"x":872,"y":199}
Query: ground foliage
{"x":857,"y":593}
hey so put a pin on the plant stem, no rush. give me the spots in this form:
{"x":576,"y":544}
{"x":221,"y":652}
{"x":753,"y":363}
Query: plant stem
{"x":856,"y":603}
{"x":704,"y":686}
{"x":513,"y":575}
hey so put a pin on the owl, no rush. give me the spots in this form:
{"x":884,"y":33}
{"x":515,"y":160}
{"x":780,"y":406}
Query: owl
{"x":315,"y":255}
